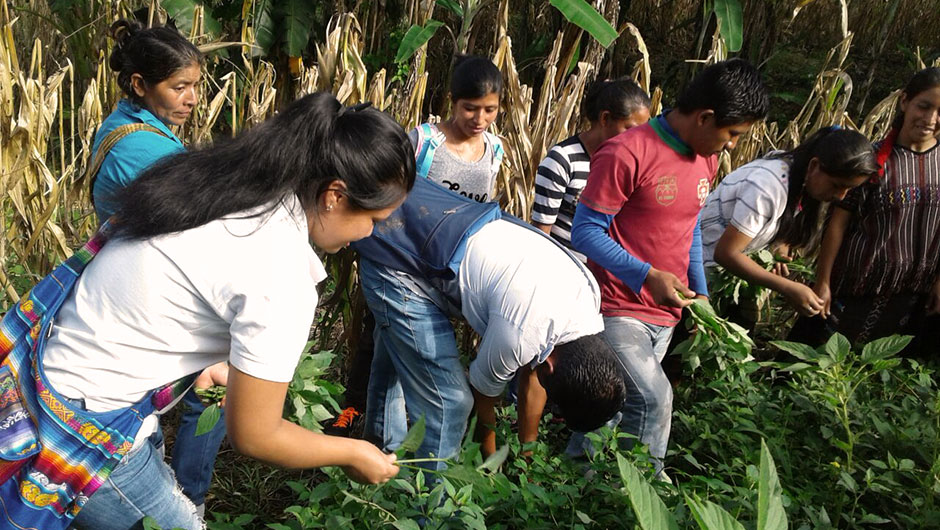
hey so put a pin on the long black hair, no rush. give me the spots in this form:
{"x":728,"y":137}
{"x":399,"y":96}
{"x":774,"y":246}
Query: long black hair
{"x":923,"y":80}
{"x":155,"y":53}
{"x":620,"y":97}
{"x":842,"y":153}
{"x":304,"y":148}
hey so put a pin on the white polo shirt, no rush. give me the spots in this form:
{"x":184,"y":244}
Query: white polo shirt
{"x":752,"y":199}
{"x":524,"y":295}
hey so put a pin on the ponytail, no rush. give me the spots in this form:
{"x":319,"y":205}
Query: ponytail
{"x":311,"y":143}
{"x":842,"y":153}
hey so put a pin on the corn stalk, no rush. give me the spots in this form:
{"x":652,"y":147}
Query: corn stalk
{"x":406,"y":101}
{"x":529,"y":135}
{"x":33,"y":195}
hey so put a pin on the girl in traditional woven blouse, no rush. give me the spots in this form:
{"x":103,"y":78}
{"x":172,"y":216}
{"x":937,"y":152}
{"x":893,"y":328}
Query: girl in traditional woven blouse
{"x":879,"y":267}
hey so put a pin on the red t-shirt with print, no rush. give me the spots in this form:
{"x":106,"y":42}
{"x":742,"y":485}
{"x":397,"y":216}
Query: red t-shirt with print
{"x":654,"y":186}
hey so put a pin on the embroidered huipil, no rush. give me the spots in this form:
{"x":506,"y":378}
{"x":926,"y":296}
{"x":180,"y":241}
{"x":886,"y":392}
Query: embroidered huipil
{"x":892,"y":244}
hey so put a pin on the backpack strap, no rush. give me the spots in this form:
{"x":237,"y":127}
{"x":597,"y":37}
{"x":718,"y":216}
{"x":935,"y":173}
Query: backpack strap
{"x":498,"y":151}
{"x":428,"y":142}
{"x":109,"y":142}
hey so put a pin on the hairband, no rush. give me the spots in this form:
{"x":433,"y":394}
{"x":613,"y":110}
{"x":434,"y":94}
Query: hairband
{"x":355,"y":108}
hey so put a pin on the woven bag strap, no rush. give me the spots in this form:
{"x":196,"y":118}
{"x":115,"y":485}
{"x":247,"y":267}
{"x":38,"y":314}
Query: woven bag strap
{"x":109,"y":142}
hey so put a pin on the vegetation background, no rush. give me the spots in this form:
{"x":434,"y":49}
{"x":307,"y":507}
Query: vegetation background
{"x":855,"y":439}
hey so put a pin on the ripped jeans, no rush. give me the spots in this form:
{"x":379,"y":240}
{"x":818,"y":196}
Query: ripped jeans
{"x":141,"y":485}
{"x":416,"y":369}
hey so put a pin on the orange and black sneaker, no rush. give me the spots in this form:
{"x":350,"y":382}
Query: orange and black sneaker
{"x":344,"y":423}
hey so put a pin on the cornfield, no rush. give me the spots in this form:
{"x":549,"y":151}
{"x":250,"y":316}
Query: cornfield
{"x":48,"y":114}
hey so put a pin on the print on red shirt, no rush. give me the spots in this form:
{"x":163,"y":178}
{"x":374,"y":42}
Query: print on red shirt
{"x":702,"y":191}
{"x":666,"y":190}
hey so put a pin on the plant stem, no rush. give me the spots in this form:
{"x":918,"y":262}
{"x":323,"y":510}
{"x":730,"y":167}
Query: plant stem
{"x":374,"y":505}
{"x":420,"y":460}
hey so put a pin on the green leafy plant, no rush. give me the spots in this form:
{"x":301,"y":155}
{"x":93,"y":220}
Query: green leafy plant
{"x":416,"y":37}
{"x":288,"y":23}
{"x":578,"y":12}
{"x":653,"y":514}
{"x":837,"y":420}
{"x":308,"y":394}
{"x":183,"y":14}
{"x":841,"y":374}
{"x":716,"y":344}
{"x":763,"y":449}
{"x":730,"y":22}
{"x":583,"y":15}
{"x":727,"y":290}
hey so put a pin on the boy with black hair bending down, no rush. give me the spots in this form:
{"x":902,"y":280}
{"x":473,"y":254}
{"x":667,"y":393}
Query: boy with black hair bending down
{"x":637,"y":223}
{"x":535,"y":306}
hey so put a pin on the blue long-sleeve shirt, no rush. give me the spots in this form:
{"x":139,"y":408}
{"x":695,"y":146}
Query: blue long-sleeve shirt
{"x":589,"y":235}
{"x":697,"y":281}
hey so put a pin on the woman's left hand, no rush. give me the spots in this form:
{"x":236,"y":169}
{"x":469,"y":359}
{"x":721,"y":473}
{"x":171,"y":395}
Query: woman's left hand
{"x":933,"y":299}
{"x":217,"y":374}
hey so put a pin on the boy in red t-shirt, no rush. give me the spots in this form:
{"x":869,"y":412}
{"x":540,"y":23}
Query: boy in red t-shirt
{"x":637,"y":223}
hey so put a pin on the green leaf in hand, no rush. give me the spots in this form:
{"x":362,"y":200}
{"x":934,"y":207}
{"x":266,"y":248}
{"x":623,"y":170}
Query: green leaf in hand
{"x":211,"y":395}
{"x":208,"y":419}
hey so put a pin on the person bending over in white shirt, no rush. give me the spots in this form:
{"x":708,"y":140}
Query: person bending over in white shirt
{"x":534,"y":304}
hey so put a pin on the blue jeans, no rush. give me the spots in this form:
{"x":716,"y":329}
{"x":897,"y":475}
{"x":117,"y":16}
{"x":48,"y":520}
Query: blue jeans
{"x":141,"y":485}
{"x":194,"y":456}
{"x":647,"y":411}
{"x":416,"y":369}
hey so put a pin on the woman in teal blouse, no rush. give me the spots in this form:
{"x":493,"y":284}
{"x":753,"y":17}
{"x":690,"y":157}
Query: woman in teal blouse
{"x":159,"y":72}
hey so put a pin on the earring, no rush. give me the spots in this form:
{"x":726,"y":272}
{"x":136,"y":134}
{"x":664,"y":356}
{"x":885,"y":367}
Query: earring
{"x":329,"y":208}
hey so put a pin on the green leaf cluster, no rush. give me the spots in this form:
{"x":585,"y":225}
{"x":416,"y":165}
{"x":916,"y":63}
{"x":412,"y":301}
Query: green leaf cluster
{"x":717,"y":347}
{"x":311,"y":396}
{"x":286,"y":25}
{"x":854,"y":432}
